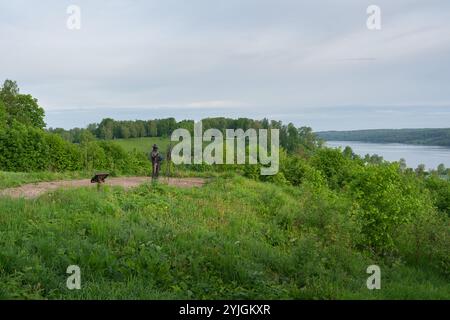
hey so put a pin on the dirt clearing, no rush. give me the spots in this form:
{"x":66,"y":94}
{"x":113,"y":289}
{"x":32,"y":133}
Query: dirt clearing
{"x":34,"y":190}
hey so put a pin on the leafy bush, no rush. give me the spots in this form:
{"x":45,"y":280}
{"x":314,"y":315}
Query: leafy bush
{"x":440,"y":190}
{"x":336,"y":168}
{"x":386,"y":200}
{"x":28,"y":149}
{"x":425,"y":242}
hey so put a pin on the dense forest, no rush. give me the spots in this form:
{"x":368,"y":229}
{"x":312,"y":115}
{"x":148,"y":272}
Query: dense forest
{"x":430,"y":137}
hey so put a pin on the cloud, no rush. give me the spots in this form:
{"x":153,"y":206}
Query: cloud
{"x":229,"y":57}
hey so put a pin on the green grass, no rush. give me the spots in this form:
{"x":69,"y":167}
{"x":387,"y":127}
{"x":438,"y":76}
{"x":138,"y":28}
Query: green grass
{"x":143,"y":144}
{"x":232,"y":239}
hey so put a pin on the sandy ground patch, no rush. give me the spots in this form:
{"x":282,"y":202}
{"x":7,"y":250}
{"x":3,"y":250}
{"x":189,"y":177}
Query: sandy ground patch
{"x":34,"y":190}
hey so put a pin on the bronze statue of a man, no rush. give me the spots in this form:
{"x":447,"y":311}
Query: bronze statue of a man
{"x":156,"y":162}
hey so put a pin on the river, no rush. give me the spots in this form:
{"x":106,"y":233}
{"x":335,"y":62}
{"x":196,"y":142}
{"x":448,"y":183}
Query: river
{"x":430,"y":156}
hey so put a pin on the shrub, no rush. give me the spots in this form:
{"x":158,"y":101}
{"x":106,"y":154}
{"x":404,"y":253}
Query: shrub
{"x":440,"y":190}
{"x":336,"y":168}
{"x":386,"y":200}
{"x":29,"y":149}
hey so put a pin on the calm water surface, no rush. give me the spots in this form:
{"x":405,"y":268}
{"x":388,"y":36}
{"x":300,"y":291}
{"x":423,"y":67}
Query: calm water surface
{"x":414,"y":155}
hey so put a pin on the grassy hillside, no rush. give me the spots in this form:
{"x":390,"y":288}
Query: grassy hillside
{"x":432,"y":137}
{"x":234,"y":238}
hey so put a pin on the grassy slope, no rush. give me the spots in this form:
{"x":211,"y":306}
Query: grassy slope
{"x":234,"y":238}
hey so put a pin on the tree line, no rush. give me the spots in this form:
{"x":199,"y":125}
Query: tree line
{"x":430,"y":137}
{"x":292,"y":138}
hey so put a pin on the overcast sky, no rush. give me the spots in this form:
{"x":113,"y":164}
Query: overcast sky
{"x":313,"y":63}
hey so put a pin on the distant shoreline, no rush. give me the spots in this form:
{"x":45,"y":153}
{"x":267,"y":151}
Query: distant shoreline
{"x":425,"y":137}
{"x":388,"y":143}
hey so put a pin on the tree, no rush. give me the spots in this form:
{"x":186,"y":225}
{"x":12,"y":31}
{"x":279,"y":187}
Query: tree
{"x":124,"y":132}
{"x":21,"y":107}
{"x":2,"y":115}
{"x":420,"y":170}
{"x":440,"y":189}
{"x":441,"y":170}
{"x":402,"y":164}
{"x":166,"y":126}
{"x":26,"y":110}
{"x":308,"y":139}
{"x":188,"y":125}
{"x":9,"y":89}
{"x":386,"y":199}
{"x":293,"y":138}
{"x":140,"y":128}
{"x":152,"y":129}
{"x":373,"y":159}
{"x":336,"y":168}
{"x":348,"y":152}
{"x":93,"y":127}
{"x":85,"y":136}
{"x":105,"y":129}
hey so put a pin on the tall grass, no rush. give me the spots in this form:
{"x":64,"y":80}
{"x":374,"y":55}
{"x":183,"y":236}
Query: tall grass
{"x":232,"y":239}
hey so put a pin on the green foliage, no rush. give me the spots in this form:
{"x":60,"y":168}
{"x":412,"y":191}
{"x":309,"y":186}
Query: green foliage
{"x":26,"y":110}
{"x":440,"y":191}
{"x":387,"y":200}
{"x":25,"y":147}
{"x":62,"y":156}
{"x":31,"y":149}
{"x":110,"y":157}
{"x":295,"y":140}
{"x":425,"y":242}
{"x":298,"y":170}
{"x":3,"y":116}
{"x":20,"y":107}
{"x":28,"y":149}
{"x":335,"y":167}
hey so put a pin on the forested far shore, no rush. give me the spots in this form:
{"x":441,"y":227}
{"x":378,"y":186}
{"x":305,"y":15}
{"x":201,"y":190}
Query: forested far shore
{"x":425,"y":136}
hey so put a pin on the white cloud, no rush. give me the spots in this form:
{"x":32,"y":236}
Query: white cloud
{"x":228,"y":57}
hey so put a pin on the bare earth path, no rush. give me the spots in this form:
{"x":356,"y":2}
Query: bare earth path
{"x":34,"y":190}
